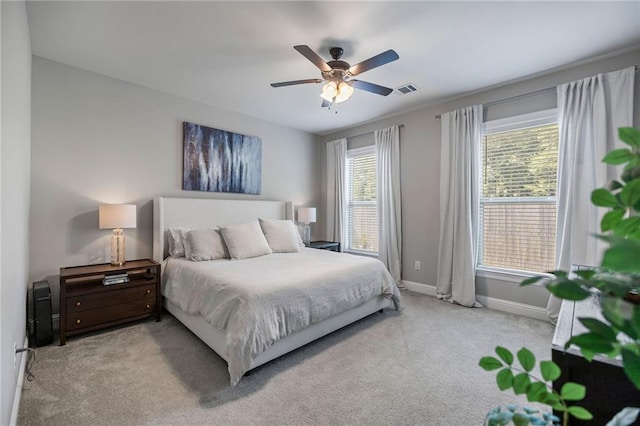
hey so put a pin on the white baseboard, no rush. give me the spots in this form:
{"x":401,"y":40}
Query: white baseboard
{"x":420,"y":288}
{"x":517,"y":308}
{"x":18,"y":394}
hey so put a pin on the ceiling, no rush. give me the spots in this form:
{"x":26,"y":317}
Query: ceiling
{"x":227,"y":53}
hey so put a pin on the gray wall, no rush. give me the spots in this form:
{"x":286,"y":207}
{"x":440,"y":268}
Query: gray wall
{"x":420,"y":164}
{"x":14,"y":193}
{"x":97,"y":139}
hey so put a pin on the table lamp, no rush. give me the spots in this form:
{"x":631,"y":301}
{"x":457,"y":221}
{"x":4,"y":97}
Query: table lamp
{"x":116,"y":217}
{"x":307,"y":215}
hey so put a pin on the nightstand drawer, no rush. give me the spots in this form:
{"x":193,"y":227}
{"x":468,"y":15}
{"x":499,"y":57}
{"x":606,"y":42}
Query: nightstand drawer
{"x":79,"y":320}
{"x":108,"y":298}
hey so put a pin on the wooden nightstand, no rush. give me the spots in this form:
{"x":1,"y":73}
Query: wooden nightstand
{"x":86,"y":304}
{"x":325,"y":245}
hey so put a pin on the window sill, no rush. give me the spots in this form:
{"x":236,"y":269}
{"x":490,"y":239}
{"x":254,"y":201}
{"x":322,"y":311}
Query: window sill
{"x":361,"y":253}
{"x":508,"y":275}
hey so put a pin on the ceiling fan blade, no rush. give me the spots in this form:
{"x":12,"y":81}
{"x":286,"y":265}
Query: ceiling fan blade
{"x":374,"y":62}
{"x":313,"y":57}
{"x":370,"y":87}
{"x":291,"y":83}
{"x":325,"y":103}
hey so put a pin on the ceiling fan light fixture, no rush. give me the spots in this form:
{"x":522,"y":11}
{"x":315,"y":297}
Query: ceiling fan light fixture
{"x":329,"y":91}
{"x":344,"y":92}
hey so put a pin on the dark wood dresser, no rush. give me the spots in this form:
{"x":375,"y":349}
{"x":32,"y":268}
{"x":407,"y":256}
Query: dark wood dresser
{"x":608,"y":389}
{"x":87,"y":304}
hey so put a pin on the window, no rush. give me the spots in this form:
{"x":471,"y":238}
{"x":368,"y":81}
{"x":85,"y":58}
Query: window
{"x":362,"y":209}
{"x":518,"y":193}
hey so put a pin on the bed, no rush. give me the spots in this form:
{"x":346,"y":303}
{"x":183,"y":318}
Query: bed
{"x":348,"y":289}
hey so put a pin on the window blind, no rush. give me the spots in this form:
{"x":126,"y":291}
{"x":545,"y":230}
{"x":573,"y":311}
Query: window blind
{"x":362,"y":215}
{"x":518,"y":198}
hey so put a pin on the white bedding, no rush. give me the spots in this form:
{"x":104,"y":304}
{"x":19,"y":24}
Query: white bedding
{"x":260,"y":300}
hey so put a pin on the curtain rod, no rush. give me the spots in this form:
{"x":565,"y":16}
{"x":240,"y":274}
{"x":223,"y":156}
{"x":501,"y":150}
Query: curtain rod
{"x":524,"y":95}
{"x":368,"y":133}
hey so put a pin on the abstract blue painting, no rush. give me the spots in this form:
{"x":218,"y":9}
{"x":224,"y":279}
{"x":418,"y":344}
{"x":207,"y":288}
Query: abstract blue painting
{"x":220,"y":161}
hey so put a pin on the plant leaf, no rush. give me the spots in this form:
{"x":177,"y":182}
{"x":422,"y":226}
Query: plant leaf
{"x":531,"y":280}
{"x":622,"y":256}
{"x":567,"y":289}
{"x":580,"y":412}
{"x":600,"y":328}
{"x":520,"y":419}
{"x":613,"y":185}
{"x":630,"y":136}
{"x":611,"y":219}
{"x":527,"y":359}
{"x":630,"y":194}
{"x":586,"y":274}
{"x":635,"y":235}
{"x":560,"y":274}
{"x":634,"y":324}
{"x":631,"y":366}
{"x":626,"y":226}
{"x":591,"y":343}
{"x":504,"y":378}
{"x":633,"y":164}
{"x":553,"y":400}
{"x":490,"y":363}
{"x":505,"y":355}
{"x":520,"y":383}
{"x":602,"y":198}
{"x":550,"y":370}
{"x":612,"y":311}
{"x":618,"y":156}
{"x":571,"y":391}
{"x":536,"y":392}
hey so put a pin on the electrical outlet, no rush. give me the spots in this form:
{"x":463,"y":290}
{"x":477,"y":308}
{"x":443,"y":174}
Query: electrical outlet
{"x":15,"y":355}
{"x":417,"y":265}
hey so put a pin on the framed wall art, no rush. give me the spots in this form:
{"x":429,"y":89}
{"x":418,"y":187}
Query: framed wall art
{"x":220,"y":161}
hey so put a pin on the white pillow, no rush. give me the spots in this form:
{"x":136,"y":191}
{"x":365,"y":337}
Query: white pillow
{"x":245,"y":240}
{"x":282,"y":235}
{"x":205,"y":244}
{"x":176,"y":237}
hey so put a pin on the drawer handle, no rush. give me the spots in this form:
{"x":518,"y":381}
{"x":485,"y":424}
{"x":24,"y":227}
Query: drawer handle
{"x":148,"y":291}
{"x":77,"y":303}
{"x":77,"y":321}
{"x":148,"y":307}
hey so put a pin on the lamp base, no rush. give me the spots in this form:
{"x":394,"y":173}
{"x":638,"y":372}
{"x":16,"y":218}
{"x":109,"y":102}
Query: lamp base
{"x":306,"y":239}
{"x":117,"y":248}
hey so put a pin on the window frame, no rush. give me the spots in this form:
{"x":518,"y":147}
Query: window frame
{"x":353,"y":153}
{"x":522,"y":121}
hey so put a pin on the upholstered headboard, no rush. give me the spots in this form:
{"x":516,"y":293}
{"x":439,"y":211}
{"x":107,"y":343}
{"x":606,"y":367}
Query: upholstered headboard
{"x":208,"y":213}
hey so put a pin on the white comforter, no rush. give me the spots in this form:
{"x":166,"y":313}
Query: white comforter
{"x":258,"y":301}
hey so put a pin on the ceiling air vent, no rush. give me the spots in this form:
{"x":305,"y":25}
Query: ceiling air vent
{"x":406,"y":89}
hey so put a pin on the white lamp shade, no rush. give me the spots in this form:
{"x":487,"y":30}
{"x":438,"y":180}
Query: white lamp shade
{"x":111,"y":216}
{"x":307,"y":214}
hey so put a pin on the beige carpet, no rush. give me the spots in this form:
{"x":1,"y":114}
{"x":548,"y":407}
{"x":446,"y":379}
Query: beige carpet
{"x":418,"y":366}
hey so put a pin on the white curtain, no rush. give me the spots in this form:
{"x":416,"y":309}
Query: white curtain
{"x":589,"y":114}
{"x":336,"y":207}
{"x":389,"y":201}
{"x":459,"y":174}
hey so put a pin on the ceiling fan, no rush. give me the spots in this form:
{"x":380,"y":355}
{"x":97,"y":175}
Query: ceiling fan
{"x":339,"y":74}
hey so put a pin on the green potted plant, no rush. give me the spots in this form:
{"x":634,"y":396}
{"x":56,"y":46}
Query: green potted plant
{"x":617,"y":279}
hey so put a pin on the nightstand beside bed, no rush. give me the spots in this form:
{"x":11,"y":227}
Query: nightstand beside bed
{"x":87,"y":304}
{"x":325,"y":245}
